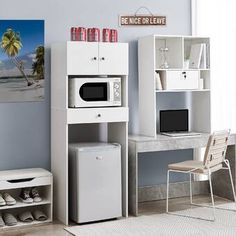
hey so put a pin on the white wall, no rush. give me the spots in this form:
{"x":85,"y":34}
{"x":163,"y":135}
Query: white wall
{"x":24,"y":127}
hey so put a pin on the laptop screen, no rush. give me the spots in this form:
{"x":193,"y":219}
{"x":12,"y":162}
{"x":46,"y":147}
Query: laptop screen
{"x":173,"y":120}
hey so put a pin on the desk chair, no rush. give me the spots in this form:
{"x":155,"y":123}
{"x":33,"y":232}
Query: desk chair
{"x":214,"y":160}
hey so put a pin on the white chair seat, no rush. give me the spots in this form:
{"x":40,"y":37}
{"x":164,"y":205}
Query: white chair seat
{"x":190,"y":165}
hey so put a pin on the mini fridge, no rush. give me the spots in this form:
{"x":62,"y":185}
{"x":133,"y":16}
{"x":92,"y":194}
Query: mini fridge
{"x":94,"y":181}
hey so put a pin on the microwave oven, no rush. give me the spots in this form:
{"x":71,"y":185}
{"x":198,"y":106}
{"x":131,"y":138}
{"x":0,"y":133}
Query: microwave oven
{"x":94,"y":92}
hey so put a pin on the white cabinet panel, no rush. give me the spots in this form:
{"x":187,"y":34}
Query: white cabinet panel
{"x":113,"y":59}
{"x":180,"y":80}
{"x":97,"y":115}
{"x":82,"y":58}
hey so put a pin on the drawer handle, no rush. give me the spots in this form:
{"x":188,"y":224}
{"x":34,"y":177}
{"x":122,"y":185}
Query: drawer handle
{"x":20,"y":180}
{"x":99,"y":115}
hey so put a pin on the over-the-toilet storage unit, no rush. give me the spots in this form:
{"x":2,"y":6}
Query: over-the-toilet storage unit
{"x":109,"y":124}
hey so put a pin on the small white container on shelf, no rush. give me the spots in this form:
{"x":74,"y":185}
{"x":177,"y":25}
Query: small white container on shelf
{"x":180,"y":80}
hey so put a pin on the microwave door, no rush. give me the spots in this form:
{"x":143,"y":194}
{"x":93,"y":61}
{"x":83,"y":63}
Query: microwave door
{"x":94,"y":94}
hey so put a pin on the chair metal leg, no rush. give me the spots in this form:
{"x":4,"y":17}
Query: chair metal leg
{"x":231,"y":179}
{"x":183,"y":215}
{"x":211,"y":191}
{"x":190,"y":188}
{"x":167,"y":191}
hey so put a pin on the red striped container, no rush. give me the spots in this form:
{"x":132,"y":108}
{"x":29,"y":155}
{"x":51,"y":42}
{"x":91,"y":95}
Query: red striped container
{"x":93,"y":34}
{"x":113,"y":36}
{"x":73,"y":33}
{"x":81,"y":34}
{"x":106,"y":35}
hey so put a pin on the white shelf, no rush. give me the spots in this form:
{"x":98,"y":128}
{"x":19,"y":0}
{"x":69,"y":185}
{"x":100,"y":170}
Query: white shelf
{"x":184,"y":69}
{"x":22,"y":224}
{"x":180,"y":91}
{"x":20,"y":204}
{"x":181,"y":88}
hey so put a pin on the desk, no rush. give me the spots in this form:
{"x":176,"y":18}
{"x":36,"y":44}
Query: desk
{"x":141,"y":144}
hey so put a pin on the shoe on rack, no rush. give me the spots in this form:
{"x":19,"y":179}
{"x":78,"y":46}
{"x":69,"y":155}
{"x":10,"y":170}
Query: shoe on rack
{"x":2,"y":201}
{"x":26,"y":216}
{"x":25,"y":195}
{"x":9,"y":199}
{"x":9,"y":219}
{"x":2,"y":224}
{"x":39,"y":215}
{"x":35,"y":195}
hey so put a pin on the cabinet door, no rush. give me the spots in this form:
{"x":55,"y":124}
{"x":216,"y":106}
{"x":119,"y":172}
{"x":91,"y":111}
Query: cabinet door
{"x":82,"y":58}
{"x":113,"y":58}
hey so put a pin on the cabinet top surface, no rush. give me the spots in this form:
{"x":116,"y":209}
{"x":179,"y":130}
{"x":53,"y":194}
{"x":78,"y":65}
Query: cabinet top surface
{"x":23,"y":173}
{"x":86,"y":42}
{"x":178,"y":36}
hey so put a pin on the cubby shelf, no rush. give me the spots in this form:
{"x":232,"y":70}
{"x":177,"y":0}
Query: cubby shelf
{"x":180,"y":91}
{"x":12,"y":181}
{"x":183,"y":69}
{"x":22,"y":224}
{"x":184,"y":87}
{"x":20,"y":204}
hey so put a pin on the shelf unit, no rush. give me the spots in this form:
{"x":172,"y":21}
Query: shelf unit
{"x":196,"y":99}
{"x":101,"y":124}
{"x":12,"y":181}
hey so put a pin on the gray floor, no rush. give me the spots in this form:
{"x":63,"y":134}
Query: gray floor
{"x":147,"y":208}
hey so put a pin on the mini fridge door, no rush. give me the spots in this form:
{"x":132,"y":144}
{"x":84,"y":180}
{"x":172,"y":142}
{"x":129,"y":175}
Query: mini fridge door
{"x":99,"y":184}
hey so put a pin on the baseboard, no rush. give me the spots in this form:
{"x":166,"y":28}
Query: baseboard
{"x":180,"y":189}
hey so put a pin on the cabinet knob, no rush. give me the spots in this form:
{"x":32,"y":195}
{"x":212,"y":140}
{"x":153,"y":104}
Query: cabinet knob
{"x":103,"y":58}
{"x":94,"y":58}
{"x":99,"y":115}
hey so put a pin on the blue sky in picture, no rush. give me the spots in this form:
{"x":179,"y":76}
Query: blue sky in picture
{"x":31,"y":33}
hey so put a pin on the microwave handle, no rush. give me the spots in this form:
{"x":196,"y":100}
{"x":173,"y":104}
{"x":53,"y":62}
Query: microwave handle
{"x":110,"y":91}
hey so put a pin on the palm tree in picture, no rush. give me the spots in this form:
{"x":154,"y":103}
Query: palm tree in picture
{"x":11,"y":45}
{"x":38,"y":64}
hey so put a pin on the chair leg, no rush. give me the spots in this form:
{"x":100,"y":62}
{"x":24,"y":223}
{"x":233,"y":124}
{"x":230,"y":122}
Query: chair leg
{"x":211,"y":191}
{"x":231,"y":179}
{"x":167,"y":191}
{"x":190,"y":188}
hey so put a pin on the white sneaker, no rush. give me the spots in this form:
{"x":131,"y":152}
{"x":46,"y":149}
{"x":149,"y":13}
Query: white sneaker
{"x":2,"y":201}
{"x":9,"y":199}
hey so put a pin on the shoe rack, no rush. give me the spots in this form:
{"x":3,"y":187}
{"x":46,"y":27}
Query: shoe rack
{"x":12,"y":181}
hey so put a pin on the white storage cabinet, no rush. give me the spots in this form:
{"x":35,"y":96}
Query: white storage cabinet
{"x":182,"y":86}
{"x":73,"y":125}
{"x":92,"y":58}
{"x":12,"y":181}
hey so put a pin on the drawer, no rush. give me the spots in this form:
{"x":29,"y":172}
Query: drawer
{"x":23,"y":183}
{"x":180,"y":80}
{"x":97,"y":115}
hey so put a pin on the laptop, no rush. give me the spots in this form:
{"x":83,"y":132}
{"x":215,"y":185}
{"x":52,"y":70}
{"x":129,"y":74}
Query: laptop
{"x":175,"y":123}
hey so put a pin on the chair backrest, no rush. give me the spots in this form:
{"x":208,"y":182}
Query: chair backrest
{"x":216,"y":148}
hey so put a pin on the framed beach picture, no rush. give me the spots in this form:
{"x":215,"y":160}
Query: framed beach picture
{"x":21,"y":60}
